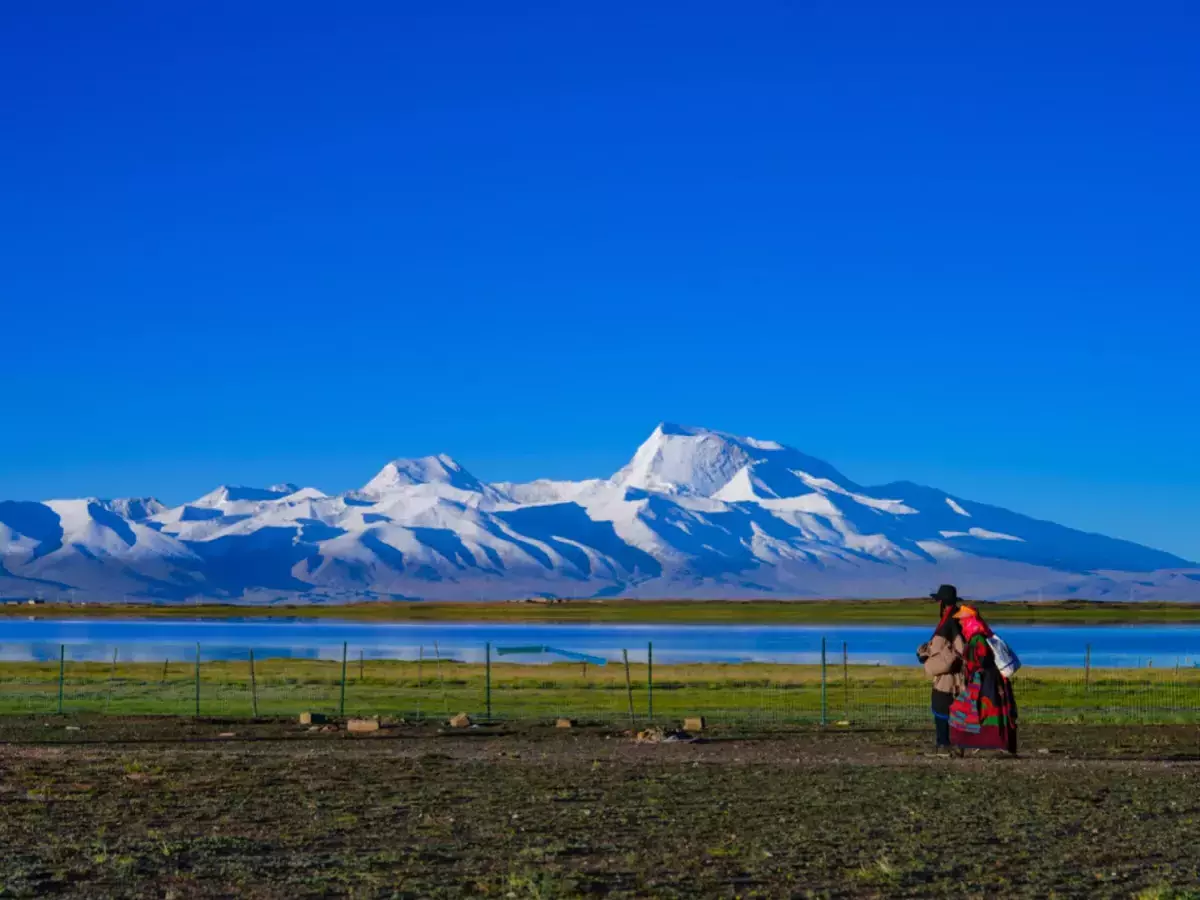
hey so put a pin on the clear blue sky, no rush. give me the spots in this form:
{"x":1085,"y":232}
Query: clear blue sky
{"x":954,"y":243}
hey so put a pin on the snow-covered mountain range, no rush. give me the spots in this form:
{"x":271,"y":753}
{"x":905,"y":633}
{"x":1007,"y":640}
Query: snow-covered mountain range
{"x":695,"y":513}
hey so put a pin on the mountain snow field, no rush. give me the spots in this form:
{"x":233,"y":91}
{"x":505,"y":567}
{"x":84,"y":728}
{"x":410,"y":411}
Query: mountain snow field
{"x":694,"y":514}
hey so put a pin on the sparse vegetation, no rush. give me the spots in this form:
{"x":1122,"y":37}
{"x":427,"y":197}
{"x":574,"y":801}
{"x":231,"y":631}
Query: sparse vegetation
{"x":166,"y":807}
{"x":862,"y":612}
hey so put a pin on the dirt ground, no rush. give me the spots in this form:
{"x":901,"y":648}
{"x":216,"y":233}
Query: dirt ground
{"x":182,"y":808}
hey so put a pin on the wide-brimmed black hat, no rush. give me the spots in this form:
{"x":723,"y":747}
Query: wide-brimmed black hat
{"x":946,"y":595}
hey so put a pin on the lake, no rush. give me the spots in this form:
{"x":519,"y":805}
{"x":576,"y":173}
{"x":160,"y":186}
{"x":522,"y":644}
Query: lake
{"x":156,"y":639}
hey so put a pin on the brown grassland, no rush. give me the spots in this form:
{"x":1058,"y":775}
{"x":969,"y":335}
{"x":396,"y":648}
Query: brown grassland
{"x":881,"y":612}
{"x":171,"y":807}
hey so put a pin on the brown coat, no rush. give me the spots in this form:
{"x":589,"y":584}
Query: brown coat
{"x":943,"y":663}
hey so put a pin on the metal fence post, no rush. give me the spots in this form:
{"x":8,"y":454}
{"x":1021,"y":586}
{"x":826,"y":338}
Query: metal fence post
{"x":62,"y":663}
{"x":111,"y":674}
{"x":442,"y":681}
{"x":487,"y":683}
{"x":342,"y":699}
{"x":197,"y":679}
{"x":824,"y":687}
{"x":650,"y":680}
{"x":253,"y":687}
{"x":845,"y":682}
{"x":628,"y":686}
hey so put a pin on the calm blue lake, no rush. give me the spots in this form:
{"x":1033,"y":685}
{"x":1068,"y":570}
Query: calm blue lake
{"x":39,"y":639}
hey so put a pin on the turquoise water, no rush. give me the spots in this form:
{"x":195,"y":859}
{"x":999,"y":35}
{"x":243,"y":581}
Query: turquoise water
{"x":1159,"y":645}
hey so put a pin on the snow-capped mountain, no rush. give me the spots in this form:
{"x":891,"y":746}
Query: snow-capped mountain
{"x":695,"y":513}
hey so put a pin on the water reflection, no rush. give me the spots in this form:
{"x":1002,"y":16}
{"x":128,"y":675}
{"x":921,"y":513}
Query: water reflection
{"x":158,"y":640}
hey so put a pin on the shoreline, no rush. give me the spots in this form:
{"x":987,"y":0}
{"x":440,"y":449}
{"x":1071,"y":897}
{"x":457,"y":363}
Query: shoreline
{"x":659,"y":612}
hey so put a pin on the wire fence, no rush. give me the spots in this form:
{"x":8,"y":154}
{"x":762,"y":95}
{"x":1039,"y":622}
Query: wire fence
{"x":632,"y":688}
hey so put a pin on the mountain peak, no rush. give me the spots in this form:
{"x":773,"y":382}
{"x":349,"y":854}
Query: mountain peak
{"x":680,"y":459}
{"x":439,"y":469}
{"x":228,"y":493}
{"x":135,"y":509}
{"x":672,"y":429}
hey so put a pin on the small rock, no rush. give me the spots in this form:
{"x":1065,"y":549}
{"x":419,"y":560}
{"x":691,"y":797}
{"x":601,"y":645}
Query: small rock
{"x":74,"y":728}
{"x":659,"y":736}
{"x":565,"y":723}
{"x":462,"y":720}
{"x":1043,"y":752}
{"x":227,"y":734}
{"x":362,"y":726}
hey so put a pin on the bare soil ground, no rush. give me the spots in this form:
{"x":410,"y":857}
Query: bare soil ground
{"x":181,"y":808}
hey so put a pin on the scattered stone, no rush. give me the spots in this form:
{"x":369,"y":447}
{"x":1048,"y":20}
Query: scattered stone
{"x":362,"y":726}
{"x":659,"y":736}
{"x":311,"y":718}
{"x":565,"y":723}
{"x":74,"y":728}
{"x":227,"y":734}
{"x":694,"y":723}
{"x":1043,"y":752}
{"x":462,"y":720}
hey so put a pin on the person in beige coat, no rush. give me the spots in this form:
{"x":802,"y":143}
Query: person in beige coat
{"x":941,"y":656}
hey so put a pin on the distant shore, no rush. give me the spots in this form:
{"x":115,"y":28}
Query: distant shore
{"x":698,"y":612}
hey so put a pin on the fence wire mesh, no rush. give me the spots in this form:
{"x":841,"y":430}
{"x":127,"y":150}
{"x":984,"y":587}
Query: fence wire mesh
{"x":434,"y":685}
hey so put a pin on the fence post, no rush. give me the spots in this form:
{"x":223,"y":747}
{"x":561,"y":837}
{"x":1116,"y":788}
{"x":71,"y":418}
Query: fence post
{"x":361,"y":655}
{"x":442,"y":681}
{"x":650,"y":681}
{"x":845,"y":682}
{"x":342,"y":700}
{"x":628,"y":686}
{"x":824,"y":687}
{"x":62,"y":663}
{"x":111,"y":674}
{"x":253,"y":687}
{"x":487,"y":683}
{"x":197,"y":679}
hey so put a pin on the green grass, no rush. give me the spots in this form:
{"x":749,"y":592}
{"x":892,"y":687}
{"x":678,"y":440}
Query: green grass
{"x":753,"y":693}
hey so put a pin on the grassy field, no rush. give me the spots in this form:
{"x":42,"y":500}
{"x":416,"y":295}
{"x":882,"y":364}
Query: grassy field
{"x":759,"y":694}
{"x":100,"y":808}
{"x":917,"y":611}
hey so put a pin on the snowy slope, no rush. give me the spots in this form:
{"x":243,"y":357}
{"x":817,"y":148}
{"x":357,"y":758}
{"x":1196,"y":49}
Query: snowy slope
{"x":695,"y":513}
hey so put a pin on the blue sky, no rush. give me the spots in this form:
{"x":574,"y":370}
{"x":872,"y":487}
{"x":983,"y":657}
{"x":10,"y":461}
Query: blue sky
{"x":259,"y":242}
